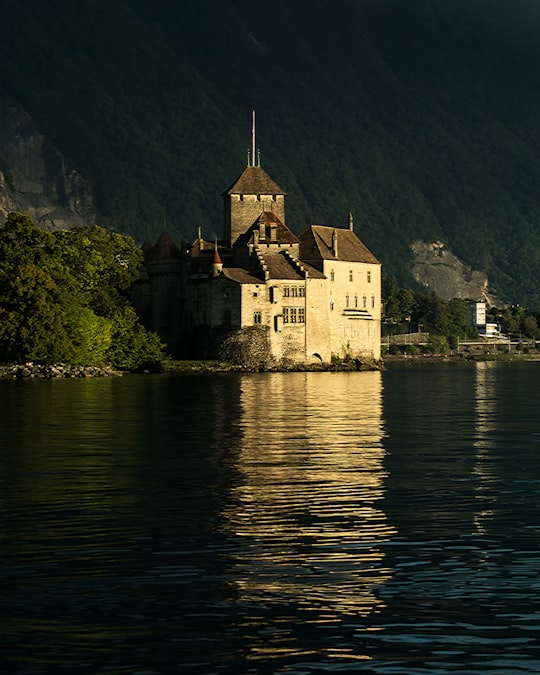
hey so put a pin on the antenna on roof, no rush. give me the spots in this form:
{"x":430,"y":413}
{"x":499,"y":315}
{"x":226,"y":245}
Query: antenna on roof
{"x":253,"y":138}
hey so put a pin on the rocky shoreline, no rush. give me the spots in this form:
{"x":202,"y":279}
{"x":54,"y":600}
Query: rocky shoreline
{"x":56,"y":371}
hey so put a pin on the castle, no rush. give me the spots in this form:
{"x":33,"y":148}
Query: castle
{"x":264,"y":294}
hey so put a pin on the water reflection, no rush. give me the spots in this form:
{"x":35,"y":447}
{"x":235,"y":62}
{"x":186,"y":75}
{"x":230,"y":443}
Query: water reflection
{"x":465,"y":554}
{"x":306,"y":505}
{"x":296,"y":523}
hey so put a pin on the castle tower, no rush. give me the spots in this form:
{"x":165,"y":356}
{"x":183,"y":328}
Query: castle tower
{"x":253,"y":193}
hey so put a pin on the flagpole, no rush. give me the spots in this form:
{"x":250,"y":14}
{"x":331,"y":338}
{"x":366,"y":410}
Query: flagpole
{"x":253,"y":140}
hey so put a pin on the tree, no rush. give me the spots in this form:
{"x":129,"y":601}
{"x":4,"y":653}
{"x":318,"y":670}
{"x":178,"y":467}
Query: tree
{"x":63,"y":298}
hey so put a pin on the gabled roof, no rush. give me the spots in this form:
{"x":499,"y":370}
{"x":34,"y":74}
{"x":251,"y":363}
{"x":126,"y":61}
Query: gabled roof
{"x":254,"y":181}
{"x":268,"y":220}
{"x":316,"y":244}
{"x":280,"y":265}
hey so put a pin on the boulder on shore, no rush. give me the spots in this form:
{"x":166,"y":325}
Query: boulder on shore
{"x":31,"y":370}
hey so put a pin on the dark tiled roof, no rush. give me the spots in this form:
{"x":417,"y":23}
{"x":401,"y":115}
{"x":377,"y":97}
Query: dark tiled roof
{"x":282,"y":233}
{"x":316,"y":245}
{"x":280,"y":265}
{"x":164,"y":249}
{"x":241,"y":275}
{"x":254,"y":181}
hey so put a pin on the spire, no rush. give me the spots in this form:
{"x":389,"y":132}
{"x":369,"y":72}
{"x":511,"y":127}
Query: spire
{"x":217,"y":263}
{"x":253,"y":153}
{"x":253,"y":138}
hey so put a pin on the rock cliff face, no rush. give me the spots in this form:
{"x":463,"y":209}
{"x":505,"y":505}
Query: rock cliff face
{"x":439,"y":270}
{"x":34,"y":176}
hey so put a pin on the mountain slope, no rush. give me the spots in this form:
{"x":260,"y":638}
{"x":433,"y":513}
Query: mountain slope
{"x":420,"y":117}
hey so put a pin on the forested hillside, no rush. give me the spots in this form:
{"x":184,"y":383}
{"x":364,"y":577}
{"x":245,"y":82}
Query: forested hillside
{"x":419,"y":116}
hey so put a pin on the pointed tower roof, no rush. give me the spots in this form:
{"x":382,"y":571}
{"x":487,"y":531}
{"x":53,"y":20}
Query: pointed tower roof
{"x":164,"y":249}
{"x":254,"y":181}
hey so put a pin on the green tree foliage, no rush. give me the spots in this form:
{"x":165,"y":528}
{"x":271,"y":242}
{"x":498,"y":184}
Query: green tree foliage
{"x":62,"y":297}
{"x":409,"y":311}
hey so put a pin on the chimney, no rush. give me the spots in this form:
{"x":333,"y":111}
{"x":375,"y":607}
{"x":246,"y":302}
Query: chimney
{"x":334,"y":243}
{"x":351,"y":227}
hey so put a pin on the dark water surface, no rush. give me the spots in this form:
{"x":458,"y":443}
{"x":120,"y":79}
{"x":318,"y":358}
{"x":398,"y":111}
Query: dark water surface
{"x":272,"y":523}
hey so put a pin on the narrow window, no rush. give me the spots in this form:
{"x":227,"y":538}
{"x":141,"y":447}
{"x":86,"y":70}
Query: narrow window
{"x":369,"y":277}
{"x":364,"y":302}
{"x":285,"y":315}
{"x":331,"y":304}
{"x":350,"y":275}
{"x":293,"y":314}
{"x":346,"y":301}
{"x":372,"y":301}
{"x":257,"y":317}
{"x":294,"y":291}
{"x":286,"y":291}
{"x":356,"y":301}
{"x":301,"y":315}
{"x":331,"y":275}
{"x":302,"y":292}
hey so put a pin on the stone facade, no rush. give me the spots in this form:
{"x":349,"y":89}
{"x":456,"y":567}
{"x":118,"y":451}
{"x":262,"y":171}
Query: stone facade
{"x":301,"y":300}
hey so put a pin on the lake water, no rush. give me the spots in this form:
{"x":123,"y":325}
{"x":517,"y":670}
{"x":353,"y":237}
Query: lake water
{"x":272,"y":523}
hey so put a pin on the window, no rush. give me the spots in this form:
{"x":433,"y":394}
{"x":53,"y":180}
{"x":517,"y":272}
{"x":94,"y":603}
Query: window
{"x":369,"y":277}
{"x":350,"y":275}
{"x":286,"y":291}
{"x":294,"y":291}
{"x":364,"y":302}
{"x":372,"y":301}
{"x":257,"y":316}
{"x":302,"y":292}
{"x":356,"y":301}
{"x":331,"y":304}
{"x":294,"y":315}
{"x":347,"y":300}
{"x":331,"y":275}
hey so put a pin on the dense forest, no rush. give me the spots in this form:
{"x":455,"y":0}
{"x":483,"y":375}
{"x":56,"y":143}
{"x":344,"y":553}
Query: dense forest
{"x":420,"y":117}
